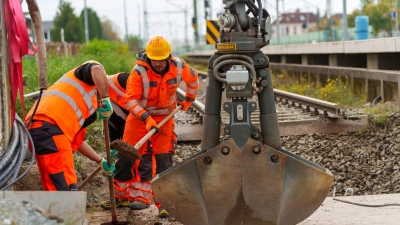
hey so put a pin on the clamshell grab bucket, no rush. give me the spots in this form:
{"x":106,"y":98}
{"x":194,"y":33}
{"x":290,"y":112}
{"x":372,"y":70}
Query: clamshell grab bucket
{"x":255,"y":185}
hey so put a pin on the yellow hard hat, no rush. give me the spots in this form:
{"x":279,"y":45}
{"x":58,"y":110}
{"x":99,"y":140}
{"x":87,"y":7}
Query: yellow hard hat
{"x":158,"y":48}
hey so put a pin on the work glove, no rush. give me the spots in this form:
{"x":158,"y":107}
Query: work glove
{"x":114,"y":155}
{"x":105,"y":110}
{"x":185,"y":105}
{"x":150,"y":123}
{"x":107,"y":170}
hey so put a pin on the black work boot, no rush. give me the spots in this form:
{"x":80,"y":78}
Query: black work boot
{"x":138,"y":205}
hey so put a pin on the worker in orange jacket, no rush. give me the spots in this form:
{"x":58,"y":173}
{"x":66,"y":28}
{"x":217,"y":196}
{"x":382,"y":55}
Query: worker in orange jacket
{"x":116,"y":124}
{"x":151,"y":96}
{"x":58,"y":124}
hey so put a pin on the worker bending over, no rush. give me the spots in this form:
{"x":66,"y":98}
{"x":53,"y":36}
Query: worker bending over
{"x":151,"y":96}
{"x":58,"y":124}
{"x":116,"y":124}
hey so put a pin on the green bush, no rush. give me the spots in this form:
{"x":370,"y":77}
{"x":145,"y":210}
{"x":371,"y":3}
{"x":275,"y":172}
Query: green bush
{"x":337,"y":91}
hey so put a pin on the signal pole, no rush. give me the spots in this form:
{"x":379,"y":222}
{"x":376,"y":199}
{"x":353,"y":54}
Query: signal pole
{"x":345,"y":32}
{"x":278,"y":28}
{"x":196,"y":28}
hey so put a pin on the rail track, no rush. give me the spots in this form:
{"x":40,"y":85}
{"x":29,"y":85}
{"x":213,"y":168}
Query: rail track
{"x":297,"y":115}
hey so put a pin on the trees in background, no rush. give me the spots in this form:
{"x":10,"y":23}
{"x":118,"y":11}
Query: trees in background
{"x":110,"y":30}
{"x":74,"y":28}
{"x":378,"y":13}
{"x":134,"y":43}
{"x":65,"y":18}
{"x":94,"y":24}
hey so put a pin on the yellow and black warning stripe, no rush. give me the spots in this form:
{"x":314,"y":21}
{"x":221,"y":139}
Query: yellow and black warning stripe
{"x":212,"y":34}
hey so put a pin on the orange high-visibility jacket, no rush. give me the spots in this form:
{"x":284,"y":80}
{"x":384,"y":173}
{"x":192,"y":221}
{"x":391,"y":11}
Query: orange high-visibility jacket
{"x":67,"y":103}
{"x":116,"y":92}
{"x":147,"y":91}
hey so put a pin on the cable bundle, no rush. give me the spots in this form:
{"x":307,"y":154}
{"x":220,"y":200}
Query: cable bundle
{"x":12,"y":158}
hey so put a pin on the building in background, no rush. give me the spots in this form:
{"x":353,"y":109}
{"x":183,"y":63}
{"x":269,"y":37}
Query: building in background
{"x":296,"y":23}
{"x":47,"y":26}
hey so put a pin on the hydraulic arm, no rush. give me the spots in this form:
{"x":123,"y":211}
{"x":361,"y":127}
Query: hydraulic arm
{"x":248,"y":178}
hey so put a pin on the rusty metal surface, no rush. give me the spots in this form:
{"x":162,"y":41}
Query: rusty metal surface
{"x":258,"y":185}
{"x":262,"y":184}
{"x":305,"y":187}
{"x":220,"y":177}
{"x":179,"y":190}
{"x":280,"y":187}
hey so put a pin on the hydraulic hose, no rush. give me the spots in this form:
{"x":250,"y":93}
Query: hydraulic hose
{"x":236,"y":61}
{"x":12,"y":159}
{"x":231,"y":56}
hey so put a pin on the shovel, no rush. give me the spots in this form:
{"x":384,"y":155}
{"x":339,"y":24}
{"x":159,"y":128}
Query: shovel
{"x":114,"y":220}
{"x":126,"y":149}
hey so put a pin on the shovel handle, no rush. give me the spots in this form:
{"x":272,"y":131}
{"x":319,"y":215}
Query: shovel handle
{"x":110,"y":179}
{"x":90,"y":177}
{"x":137,"y":146}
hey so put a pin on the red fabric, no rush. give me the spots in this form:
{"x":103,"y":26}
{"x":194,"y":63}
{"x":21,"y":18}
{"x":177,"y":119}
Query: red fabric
{"x":18,"y":41}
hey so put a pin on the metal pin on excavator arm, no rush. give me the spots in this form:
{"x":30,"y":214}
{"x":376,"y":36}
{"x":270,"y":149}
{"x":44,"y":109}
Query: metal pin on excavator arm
{"x":247,"y":179}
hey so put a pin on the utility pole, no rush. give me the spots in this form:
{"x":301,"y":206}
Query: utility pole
{"x":86,"y":25}
{"x":344,"y":17}
{"x":186,"y":27}
{"x":328,"y":9}
{"x":196,"y":28}
{"x":146,"y":24}
{"x":278,"y":28}
{"x":139,"y":22}
{"x":126,"y":23}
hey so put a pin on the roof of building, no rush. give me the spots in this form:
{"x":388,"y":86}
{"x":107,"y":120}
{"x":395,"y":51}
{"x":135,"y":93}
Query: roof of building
{"x":297,"y":17}
{"x":337,"y":16}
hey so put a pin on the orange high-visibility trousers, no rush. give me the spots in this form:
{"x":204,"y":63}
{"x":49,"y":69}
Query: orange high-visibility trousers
{"x":156,"y":157}
{"x":54,"y":157}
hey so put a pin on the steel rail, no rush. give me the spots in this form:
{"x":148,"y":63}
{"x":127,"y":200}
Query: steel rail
{"x":320,"y":107}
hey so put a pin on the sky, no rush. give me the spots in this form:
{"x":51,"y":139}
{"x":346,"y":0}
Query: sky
{"x":166,"y":17}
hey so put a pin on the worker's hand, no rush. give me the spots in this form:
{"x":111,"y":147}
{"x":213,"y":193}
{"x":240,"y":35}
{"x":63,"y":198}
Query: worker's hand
{"x":105,"y":110}
{"x":150,"y":124}
{"x":185,"y":105}
{"x":114,"y":155}
{"x":107,"y":170}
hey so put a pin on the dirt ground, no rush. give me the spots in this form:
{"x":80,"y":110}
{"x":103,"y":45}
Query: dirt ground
{"x":96,"y":215}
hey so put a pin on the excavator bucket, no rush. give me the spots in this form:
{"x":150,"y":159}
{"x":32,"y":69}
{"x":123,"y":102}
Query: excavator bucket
{"x":253,"y":185}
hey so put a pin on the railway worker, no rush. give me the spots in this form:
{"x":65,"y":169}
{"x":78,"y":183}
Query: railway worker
{"x":58,"y":124}
{"x":116,"y":124}
{"x":151,"y":96}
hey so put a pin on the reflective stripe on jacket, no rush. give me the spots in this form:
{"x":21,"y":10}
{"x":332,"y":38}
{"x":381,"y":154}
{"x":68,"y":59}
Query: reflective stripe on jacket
{"x":116,"y":92}
{"x":156,"y":94}
{"x":67,"y":103}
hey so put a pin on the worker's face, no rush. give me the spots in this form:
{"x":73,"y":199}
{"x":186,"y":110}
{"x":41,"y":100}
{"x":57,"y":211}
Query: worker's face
{"x":159,"y":65}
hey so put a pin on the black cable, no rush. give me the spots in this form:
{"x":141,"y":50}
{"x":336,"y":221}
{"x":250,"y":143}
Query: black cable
{"x":36,"y":106}
{"x":13,"y":169}
{"x":361,"y":204}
